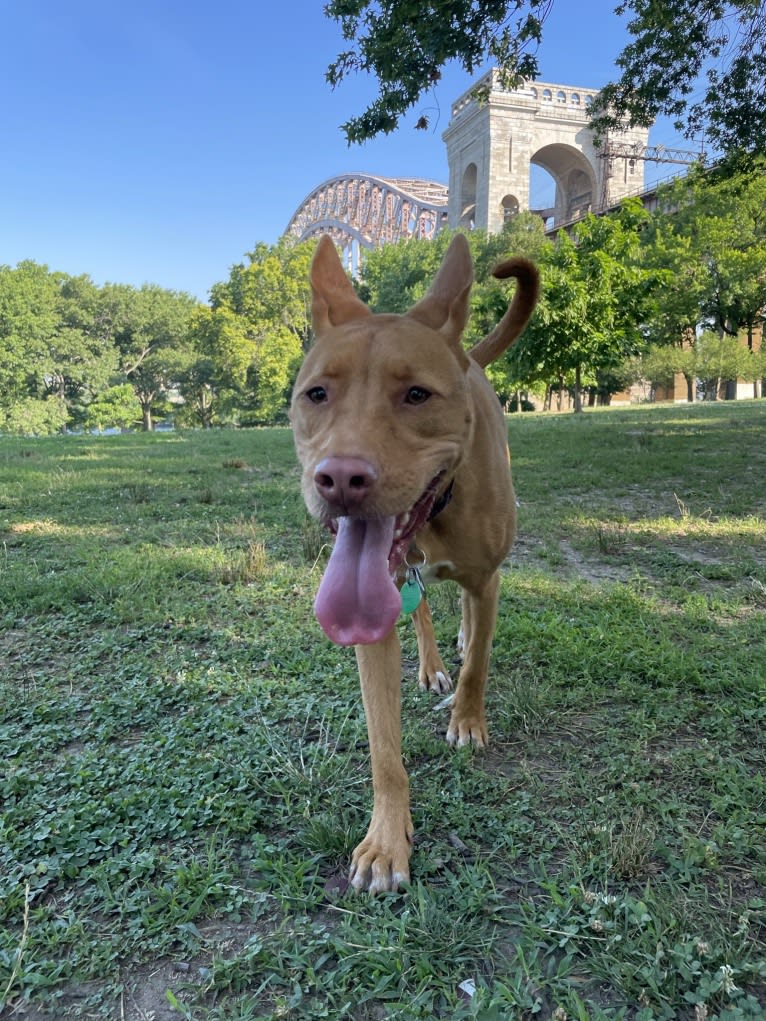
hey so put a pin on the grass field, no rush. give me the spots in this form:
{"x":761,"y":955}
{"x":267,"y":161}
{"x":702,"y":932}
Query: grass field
{"x":184,"y":760}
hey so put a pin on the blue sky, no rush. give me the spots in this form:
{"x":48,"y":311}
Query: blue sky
{"x":158,"y":141}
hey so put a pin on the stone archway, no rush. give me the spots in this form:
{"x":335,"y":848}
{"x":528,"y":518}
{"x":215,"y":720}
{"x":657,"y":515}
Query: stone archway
{"x":574,"y":178}
{"x":539,"y":123}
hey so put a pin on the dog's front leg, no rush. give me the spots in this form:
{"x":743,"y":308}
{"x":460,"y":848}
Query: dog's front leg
{"x":468,"y":722}
{"x":381,"y":861}
{"x":432,"y":673}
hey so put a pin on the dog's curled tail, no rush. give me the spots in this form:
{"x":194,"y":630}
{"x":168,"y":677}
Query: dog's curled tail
{"x":519,"y":311}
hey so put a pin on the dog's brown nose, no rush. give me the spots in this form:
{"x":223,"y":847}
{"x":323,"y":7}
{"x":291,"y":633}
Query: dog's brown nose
{"x":345,"y":482}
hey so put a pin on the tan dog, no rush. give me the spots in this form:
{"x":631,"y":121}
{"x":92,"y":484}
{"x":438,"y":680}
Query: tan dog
{"x":403,"y":447}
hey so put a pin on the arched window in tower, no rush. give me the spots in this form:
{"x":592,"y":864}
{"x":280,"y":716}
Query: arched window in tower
{"x":510,"y":207}
{"x":468,"y":197}
{"x":547,"y":96}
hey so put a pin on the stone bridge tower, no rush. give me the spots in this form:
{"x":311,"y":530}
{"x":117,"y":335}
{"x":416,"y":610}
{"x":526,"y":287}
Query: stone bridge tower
{"x":491,"y":145}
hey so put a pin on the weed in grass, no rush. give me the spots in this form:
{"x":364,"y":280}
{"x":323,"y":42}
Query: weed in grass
{"x":245,"y":566}
{"x":137,"y":492}
{"x":628,"y":846}
{"x":16,"y":959}
{"x":612,"y":537}
{"x":522,"y":703}
{"x":758,"y":592}
{"x":316,"y":540}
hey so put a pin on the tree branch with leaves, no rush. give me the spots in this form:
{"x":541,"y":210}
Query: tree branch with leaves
{"x":702,"y":62}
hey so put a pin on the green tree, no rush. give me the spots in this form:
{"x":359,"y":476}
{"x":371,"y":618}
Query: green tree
{"x":404,"y":45}
{"x":676,"y":308}
{"x":595,"y":299}
{"x":34,"y":416}
{"x":721,"y":359}
{"x":116,"y":407}
{"x":260,"y":325}
{"x":727,"y":219}
{"x":659,"y":364}
{"x":216,"y":371}
{"x":50,"y":343}
{"x":149,"y":328}
{"x":708,"y":241}
{"x":674,"y":46}
{"x":594,"y":296}
{"x":395,"y":276}
{"x":81,"y":361}
{"x":29,"y":318}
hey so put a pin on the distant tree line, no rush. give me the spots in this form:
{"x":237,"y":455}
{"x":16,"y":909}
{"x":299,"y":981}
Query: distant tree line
{"x":75,"y":355}
{"x":628,"y":297}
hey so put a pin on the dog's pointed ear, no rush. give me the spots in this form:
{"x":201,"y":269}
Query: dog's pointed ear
{"x":334,"y":299}
{"x":445,"y":306}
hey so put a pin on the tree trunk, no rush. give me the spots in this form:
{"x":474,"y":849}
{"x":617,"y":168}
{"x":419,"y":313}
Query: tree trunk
{"x":578,"y":391}
{"x":146,"y":410}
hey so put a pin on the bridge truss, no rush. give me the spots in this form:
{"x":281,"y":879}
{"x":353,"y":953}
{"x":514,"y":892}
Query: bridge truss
{"x":613,"y":150}
{"x":361,"y":211}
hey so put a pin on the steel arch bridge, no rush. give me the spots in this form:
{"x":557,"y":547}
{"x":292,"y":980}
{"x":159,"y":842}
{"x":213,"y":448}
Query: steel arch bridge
{"x":362,"y":211}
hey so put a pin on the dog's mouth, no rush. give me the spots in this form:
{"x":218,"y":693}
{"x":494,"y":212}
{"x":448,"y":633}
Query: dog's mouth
{"x":407,"y":524}
{"x":358,"y":601}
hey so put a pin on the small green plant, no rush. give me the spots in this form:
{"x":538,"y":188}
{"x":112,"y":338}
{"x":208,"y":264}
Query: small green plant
{"x":316,"y":540}
{"x":612,"y":537}
{"x":245,"y":566}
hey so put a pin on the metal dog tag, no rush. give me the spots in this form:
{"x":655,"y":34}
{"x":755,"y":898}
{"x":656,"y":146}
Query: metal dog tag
{"x":412,"y":591}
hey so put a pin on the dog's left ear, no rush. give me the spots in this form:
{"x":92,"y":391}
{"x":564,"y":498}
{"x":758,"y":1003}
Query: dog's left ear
{"x":445,"y":306}
{"x":334,"y":298}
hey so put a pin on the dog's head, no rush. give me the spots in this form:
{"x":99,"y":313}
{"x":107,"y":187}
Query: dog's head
{"x":387,"y":390}
{"x":380,"y":414}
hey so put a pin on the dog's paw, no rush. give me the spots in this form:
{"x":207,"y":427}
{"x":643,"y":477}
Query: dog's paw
{"x":467,"y":730}
{"x":380,"y":864}
{"x":376,"y":870}
{"x":435,"y":679}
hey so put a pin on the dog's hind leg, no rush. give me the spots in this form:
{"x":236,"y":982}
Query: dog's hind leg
{"x":432,"y":674}
{"x":468,"y":722}
{"x":381,"y":861}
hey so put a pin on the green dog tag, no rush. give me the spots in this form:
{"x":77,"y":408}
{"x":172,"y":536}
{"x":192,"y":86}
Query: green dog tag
{"x":412,"y":591}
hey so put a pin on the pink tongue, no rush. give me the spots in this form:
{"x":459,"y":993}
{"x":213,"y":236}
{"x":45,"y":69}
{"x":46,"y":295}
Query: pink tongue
{"x":358,"y":602}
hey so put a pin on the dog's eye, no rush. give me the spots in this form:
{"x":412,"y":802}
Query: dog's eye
{"x":317,"y":394}
{"x":416,"y":395}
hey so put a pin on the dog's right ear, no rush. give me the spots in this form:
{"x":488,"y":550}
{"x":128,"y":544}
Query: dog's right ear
{"x":334,"y":298}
